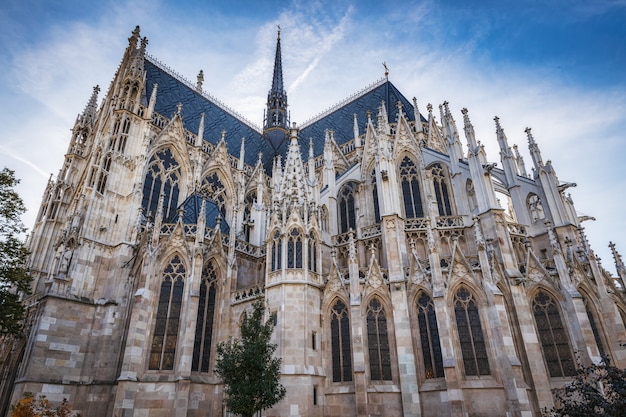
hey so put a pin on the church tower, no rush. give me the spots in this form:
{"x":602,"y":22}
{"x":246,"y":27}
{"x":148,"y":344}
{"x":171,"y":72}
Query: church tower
{"x":276,"y":120}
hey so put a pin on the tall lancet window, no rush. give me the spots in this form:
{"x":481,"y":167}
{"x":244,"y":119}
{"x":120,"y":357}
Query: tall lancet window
{"x":471,"y":337}
{"x":247,"y":216}
{"x":347,"y":214}
{"x":294,"y":249}
{"x":553,"y":336}
{"x":594,"y":326}
{"x":277,"y":246}
{"x":312,"y":253}
{"x":375,"y":197}
{"x":429,"y":337}
{"x":163,"y":349}
{"x":204,"y":322}
{"x":411,"y":189}
{"x":162,"y":178}
{"x":340,"y":342}
{"x":378,"y":342}
{"x":104,"y":174}
{"x":441,"y":190}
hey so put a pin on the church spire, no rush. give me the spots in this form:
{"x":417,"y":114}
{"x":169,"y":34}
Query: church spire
{"x":276,"y":125}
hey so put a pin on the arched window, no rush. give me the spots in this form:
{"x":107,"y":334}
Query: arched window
{"x":104,"y":174}
{"x":594,"y":326}
{"x":163,"y":350}
{"x":347,"y":214}
{"x":340,"y":343}
{"x":324,"y":218}
{"x":471,"y":336}
{"x":535,"y":208}
{"x":429,"y":337}
{"x":247,"y":219}
{"x":441,"y":190}
{"x":204,"y":321}
{"x":378,"y":342}
{"x":312,"y":253}
{"x":553,"y":337}
{"x":213,"y":189}
{"x":411,"y":189}
{"x":294,"y":249}
{"x":277,"y":246}
{"x":375,"y":197}
{"x":162,"y":178}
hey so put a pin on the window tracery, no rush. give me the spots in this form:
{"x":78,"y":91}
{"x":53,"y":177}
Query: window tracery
{"x":276,"y":251}
{"x":411,"y":189}
{"x":378,"y":342}
{"x":294,"y":249}
{"x":471,"y":336}
{"x":204,"y":320}
{"x":347,"y":214}
{"x":429,"y":337}
{"x":553,"y":336}
{"x":340,"y":343}
{"x":163,"y":349}
{"x":441,"y":190}
{"x":213,"y":189}
{"x":162,"y":178}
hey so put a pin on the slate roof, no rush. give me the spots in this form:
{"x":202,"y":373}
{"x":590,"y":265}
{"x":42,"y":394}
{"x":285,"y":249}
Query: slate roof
{"x":173,"y":90}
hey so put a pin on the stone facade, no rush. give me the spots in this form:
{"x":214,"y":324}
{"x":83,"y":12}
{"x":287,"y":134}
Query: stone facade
{"x":406,"y":275}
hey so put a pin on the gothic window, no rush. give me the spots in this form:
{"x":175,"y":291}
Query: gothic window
{"x":162,"y":178}
{"x":347,"y":214}
{"x":204,"y":323}
{"x":276,"y":251}
{"x":471,"y":337}
{"x":429,"y":337}
{"x":594,"y":326}
{"x":121,"y":146}
{"x":312,"y":253}
{"x":213,"y":189}
{"x":411,"y":189}
{"x":104,"y":174}
{"x":375,"y":198}
{"x":324,"y":218}
{"x":294,"y":249}
{"x":247,"y":219}
{"x":553,"y":337}
{"x":441,"y":190}
{"x":378,"y":342}
{"x":94,"y":168}
{"x":535,"y":207}
{"x":163,"y":350}
{"x":340,"y":343}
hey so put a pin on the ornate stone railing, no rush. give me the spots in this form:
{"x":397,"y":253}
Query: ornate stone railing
{"x":249,"y":249}
{"x":516,"y":229}
{"x":250,"y":293}
{"x":449,"y":221}
{"x":341,"y":239}
{"x":370,"y":231}
{"x":416,"y":224}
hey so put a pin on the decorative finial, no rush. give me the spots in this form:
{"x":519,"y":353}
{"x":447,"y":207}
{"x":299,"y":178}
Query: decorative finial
{"x":200,"y":79}
{"x":278,"y":26}
{"x":386,"y":70}
{"x":179,"y":108}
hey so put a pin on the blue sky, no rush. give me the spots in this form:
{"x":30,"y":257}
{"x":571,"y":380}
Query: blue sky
{"x":558,"y":66}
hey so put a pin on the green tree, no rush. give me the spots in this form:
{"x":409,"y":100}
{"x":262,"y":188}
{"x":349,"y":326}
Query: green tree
{"x":14,"y":277}
{"x":250,"y":373}
{"x":596,"y":390}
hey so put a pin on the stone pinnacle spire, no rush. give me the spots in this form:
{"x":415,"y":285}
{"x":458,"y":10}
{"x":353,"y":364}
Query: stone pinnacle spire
{"x":275,"y":128}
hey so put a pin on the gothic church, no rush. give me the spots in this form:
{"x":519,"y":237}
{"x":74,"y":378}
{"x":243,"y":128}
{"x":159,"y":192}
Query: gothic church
{"x":407,"y":275}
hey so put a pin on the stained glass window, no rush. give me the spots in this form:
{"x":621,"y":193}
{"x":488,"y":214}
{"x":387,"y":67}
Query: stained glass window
{"x":204,"y":322}
{"x":340,"y":343}
{"x":553,"y":337}
{"x":429,"y":337}
{"x":347,"y":214}
{"x":378,"y":342}
{"x":163,"y":349}
{"x":276,"y":251}
{"x":411,"y":189}
{"x":162,"y":178}
{"x":471,"y":337}
{"x":441,"y":190}
{"x":294,"y":249}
